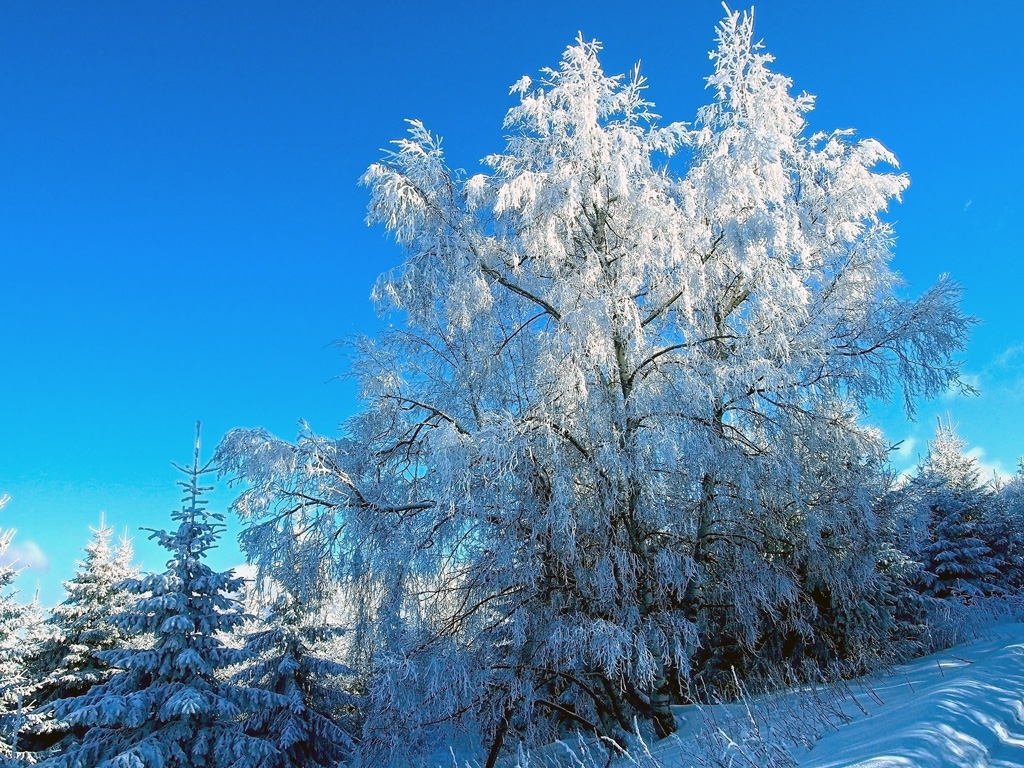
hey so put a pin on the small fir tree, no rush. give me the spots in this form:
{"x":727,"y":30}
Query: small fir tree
{"x":68,"y":659}
{"x":311,"y":719}
{"x":957,"y":560}
{"x":1007,"y":527}
{"x":14,"y":617}
{"x":169,"y":706}
{"x":33,"y":633}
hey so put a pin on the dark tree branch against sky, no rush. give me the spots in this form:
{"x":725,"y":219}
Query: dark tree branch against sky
{"x":155,"y":158}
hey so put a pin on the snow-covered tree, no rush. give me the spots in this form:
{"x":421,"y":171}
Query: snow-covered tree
{"x":14,"y":620}
{"x":67,"y":660}
{"x":34,"y":632}
{"x":313,"y":721}
{"x":168,"y":704}
{"x":617,"y":413}
{"x":956,"y":558}
{"x":1007,"y":527}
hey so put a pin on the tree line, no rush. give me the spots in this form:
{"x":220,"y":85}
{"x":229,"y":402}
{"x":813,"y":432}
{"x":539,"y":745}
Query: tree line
{"x":191,"y":667}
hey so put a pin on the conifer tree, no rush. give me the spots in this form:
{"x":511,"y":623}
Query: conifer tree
{"x":312,"y":718}
{"x":14,"y":618}
{"x":1007,"y":541}
{"x":35,"y":631}
{"x":68,"y":661}
{"x":168,"y":705}
{"x":956,"y":557}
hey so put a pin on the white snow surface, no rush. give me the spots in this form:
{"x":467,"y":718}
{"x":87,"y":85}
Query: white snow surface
{"x":961,"y":707}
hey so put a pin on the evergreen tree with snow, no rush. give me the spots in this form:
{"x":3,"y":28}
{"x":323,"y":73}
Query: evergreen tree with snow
{"x":33,"y":634}
{"x":168,"y":705}
{"x":14,"y":620}
{"x":68,"y":660}
{"x":1007,"y":532}
{"x":311,"y":718}
{"x":956,"y":558}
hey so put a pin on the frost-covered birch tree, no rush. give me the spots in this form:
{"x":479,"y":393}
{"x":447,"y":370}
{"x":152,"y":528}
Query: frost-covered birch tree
{"x":616,"y":417}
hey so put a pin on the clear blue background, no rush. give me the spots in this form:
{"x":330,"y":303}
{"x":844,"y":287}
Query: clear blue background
{"x":182,"y":236}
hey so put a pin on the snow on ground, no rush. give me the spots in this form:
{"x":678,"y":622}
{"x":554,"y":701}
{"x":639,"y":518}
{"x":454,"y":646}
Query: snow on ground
{"x":962,"y":707}
{"x":958,"y":708}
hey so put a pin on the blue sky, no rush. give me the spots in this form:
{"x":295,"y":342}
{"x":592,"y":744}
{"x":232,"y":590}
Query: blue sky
{"x":182,"y":236}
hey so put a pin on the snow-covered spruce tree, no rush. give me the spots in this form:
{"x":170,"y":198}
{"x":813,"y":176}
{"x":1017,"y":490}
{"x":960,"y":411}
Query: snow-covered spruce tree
{"x":34,"y":631}
{"x":957,"y":509}
{"x":14,"y":618}
{"x":1008,"y":543}
{"x":618,"y":413}
{"x":312,"y":723}
{"x":901,"y":627}
{"x":167,"y":706}
{"x":66,"y":662}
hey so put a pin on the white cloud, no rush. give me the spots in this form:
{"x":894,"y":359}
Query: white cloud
{"x":988,"y":469}
{"x":1011,"y":357}
{"x":26,"y":554}
{"x":905,"y":451}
